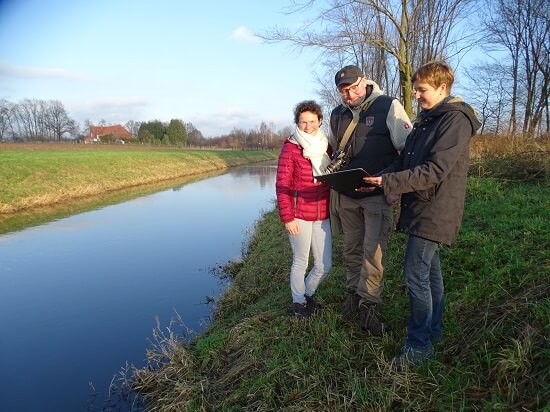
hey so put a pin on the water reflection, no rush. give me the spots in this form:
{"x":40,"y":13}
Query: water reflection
{"x":80,"y":295}
{"x":39,"y":216}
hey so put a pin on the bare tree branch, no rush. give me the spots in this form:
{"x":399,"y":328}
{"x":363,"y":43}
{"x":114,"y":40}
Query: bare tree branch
{"x":385,"y":38}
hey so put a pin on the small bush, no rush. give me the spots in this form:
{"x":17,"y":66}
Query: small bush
{"x":516,"y":160}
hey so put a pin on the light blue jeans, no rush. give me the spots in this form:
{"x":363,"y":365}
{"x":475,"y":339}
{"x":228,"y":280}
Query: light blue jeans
{"x":314,"y":236}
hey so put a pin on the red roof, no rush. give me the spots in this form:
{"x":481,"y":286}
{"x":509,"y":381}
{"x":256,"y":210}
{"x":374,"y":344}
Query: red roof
{"x":117,"y":131}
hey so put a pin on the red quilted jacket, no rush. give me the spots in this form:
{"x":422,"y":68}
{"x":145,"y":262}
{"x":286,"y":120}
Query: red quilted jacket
{"x":298,"y":196}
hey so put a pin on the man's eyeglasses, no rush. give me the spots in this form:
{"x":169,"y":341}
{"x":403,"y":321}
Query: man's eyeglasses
{"x":354,"y":88}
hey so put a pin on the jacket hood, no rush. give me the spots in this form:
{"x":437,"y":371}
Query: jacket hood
{"x":375,"y":92}
{"x":456,"y":104}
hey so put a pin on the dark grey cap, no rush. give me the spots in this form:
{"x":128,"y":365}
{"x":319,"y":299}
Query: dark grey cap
{"x":348,"y":75}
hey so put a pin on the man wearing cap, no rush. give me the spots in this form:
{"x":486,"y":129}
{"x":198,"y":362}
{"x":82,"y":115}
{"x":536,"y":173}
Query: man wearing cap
{"x":379,"y":128}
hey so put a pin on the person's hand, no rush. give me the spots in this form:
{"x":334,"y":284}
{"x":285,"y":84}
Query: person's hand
{"x":292,"y":227}
{"x":392,"y":199}
{"x":371,"y":180}
{"x":366,"y":189}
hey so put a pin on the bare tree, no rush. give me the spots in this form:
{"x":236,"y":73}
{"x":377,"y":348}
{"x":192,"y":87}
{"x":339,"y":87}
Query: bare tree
{"x":133,"y":127}
{"x":194,"y":136}
{"x":489,"y":92}
{"x":380,"y":34}
{"x":36,"y":120}
{"x":344,"y":33}
{"x":6,"y":116}
{"x":58,"y":121}
{"x":535,"y":57}
{"x":521,"y":29}
{"x":30,"y":120}
{"x":75,"y":131}
{"x":87,"y":127}
{"x":265,"y":134}
{"x":503,"y":29}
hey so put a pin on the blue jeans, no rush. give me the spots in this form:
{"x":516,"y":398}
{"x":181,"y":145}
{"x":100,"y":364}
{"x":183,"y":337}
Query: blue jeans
{"x":316,"y":236}
{"x":424,"y":281}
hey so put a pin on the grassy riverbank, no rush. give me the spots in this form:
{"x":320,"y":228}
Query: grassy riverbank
{"x":495,"y":355}
{"x":33,"y":176}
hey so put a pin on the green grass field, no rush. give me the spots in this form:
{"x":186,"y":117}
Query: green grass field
{"x":33,"y":176}
{"x":494,"y":357}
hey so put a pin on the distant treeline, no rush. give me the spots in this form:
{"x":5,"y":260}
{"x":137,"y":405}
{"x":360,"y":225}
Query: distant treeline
{"x":178,"y":133}
{"x":47,"y":120}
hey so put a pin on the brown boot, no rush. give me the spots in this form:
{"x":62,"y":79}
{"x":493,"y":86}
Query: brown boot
{"x":369,"y":319}
{"x":350,"y":307}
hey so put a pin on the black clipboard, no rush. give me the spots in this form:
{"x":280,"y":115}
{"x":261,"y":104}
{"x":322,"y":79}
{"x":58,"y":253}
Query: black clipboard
{"x":345,"y":180}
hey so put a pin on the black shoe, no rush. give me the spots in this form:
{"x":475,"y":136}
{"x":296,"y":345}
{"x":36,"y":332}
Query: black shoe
{"x":369,"y":319}
{"x":313,"y":306}
{"x":350,"y":307}
{"x":301,"y":310}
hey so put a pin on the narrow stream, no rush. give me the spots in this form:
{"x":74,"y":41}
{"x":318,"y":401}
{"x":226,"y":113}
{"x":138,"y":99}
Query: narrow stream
{"x":80,"y":296}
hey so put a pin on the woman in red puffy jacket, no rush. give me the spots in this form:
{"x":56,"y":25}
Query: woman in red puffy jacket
{"x":303,"y":204}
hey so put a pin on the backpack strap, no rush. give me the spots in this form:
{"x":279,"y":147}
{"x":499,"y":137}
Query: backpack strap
{"x":353,"y":124}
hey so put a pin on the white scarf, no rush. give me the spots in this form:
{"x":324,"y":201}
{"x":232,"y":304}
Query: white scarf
{"x":315,"y":149}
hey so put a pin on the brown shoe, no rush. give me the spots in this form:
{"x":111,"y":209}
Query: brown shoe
{"x":350,"y":307}
{"x":369,"y":319}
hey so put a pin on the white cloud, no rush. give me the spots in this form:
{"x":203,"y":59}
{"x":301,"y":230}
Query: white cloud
{"x":242,"y":33}
{"x":223,"y":122}
{"x":9,"y":70}
{"x":111,"y":109}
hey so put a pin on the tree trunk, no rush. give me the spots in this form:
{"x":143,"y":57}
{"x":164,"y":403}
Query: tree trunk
{"x":405,"y":64}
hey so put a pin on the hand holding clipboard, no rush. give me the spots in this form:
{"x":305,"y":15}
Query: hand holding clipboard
{"x":346,"y":180}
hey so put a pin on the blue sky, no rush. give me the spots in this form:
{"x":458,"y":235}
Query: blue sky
{"x":121,"y":60}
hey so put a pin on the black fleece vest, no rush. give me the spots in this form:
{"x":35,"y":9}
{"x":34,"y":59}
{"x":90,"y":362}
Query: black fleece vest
{"x":370,"y":144}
